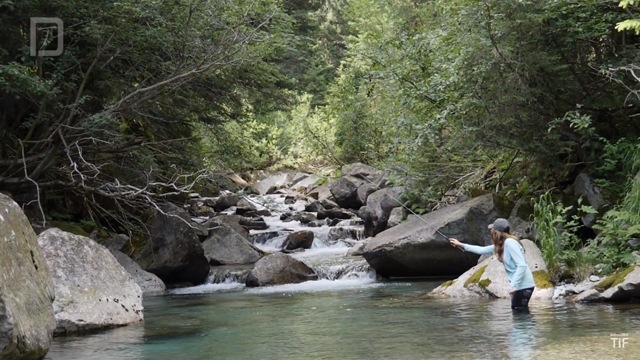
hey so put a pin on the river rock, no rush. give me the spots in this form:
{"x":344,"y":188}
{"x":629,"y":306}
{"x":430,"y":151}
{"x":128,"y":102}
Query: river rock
{"x":322,"y":192}
{"x":233,"y":221}
{"x":364,"y":191}
{"x":92,"y":290}
{"x":396,"y":216}
{"x":298,"y":240}
{"x":26,"y":288}
{"x":619,"y":287}
{"x":314,"y":206}
{"x":357,"y":249}
{"x":360,"y":170}
{"x":225,"y":246}
{"x":489,"y":279}
{"x":173,"y":252}
{"x":414,"y":248}
{"x":272,"y":183}
{"x":278,"y":269}
{"x":378,"y":209}
{"x":334,"y":214}
{"x":223,"y":202}
{"x":305,"y":184}
{"x":345,"y":192}
{"x":149,"y":283}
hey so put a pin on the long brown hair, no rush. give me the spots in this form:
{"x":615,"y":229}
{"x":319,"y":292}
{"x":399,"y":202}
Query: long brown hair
{"x":498,"y":238}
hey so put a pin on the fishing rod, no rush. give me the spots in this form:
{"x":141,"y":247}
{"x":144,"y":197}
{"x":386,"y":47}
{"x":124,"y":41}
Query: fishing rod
{"x":408,"y":209}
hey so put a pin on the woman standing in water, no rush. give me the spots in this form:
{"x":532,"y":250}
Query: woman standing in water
{"x":510,"y":252}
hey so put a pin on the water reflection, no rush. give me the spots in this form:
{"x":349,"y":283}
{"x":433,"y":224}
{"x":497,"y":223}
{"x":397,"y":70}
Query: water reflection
{"x":390,"y":320}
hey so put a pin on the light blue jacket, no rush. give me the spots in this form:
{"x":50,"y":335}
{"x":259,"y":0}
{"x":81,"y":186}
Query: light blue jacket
{"x":513,"y":259}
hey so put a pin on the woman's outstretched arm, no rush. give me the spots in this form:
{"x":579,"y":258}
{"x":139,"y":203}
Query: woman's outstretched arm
{"x":480,"y":250}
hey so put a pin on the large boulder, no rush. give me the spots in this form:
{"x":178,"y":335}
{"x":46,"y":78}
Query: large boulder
{"x":278,"y":269}
{"x":345,"y":192}
{"x":26,"y":288}
{"x":225,"y":246}
{"x":489,"y":279}
{"x":415,"y":248}
{"x":149,"y":283}
{"x":173,"y":251}
{"x":305,"y":183}
{"x":619,"y":287}
{"x":93,"y":291}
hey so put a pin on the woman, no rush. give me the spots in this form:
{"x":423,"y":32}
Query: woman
{"x":510,"y":252}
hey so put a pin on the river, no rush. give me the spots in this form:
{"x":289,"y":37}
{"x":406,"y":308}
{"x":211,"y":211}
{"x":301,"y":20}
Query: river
{"x":351,"y":314}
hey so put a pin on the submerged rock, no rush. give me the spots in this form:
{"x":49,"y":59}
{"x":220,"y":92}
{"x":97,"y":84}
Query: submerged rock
{"x":278,"y":269}
{"x":26,"y":288}
{"x":489,"y":279}
{"x":93,"y":291}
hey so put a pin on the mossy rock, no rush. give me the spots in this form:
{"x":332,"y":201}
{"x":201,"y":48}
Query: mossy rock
{"x":542,"y":279}
{"x":614,"y":279}
{"x":475,"y":278}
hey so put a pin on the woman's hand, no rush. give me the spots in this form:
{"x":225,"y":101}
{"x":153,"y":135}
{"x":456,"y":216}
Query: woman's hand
{"x":456,"y":243}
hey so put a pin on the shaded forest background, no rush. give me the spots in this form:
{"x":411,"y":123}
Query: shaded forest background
{"x":152,"y":99}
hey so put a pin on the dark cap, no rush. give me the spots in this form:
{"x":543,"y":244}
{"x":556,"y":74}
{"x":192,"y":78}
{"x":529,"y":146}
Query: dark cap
{"x":501,"y":225}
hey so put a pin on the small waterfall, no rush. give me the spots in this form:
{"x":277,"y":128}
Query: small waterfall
{"x":327,"y":255}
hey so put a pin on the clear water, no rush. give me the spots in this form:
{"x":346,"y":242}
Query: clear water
{"x":348,"y":314}
{"x":357,"y":319}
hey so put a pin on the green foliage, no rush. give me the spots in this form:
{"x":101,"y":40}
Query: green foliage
{"x":542,"y":279}
{"x":556,"y":235}
{"x":630,"y":24}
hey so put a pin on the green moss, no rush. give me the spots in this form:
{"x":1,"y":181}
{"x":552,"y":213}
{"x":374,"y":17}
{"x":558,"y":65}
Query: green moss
{"x":484,"y":283}
{"x":542,"y":279}
{"x":613,"y":280}
{"x":475,"y":278}
{"x":448,"y":283}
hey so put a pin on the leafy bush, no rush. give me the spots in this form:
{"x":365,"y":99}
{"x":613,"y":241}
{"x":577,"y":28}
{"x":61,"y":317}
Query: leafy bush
{"x":557,"y":237}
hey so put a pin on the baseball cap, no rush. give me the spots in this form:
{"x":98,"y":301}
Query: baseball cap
{"x":500,"y":224}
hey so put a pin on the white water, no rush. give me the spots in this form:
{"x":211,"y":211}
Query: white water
{"x":327,"y":255}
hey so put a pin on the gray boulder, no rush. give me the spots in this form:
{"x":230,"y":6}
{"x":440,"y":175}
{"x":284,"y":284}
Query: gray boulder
{"x":396,"y":216}
{"x":26,"y":288}
{"x":619,"y":287}
{"x":360,"y":170}
{"x":305,"y":184}
{"x":414,"y":248}
{"x":93,"y":291}
{"x":298,"y":240}
{"x":489,"y":279}
{"x":272,"y":183}
{"x":173,"y":251}
{"x":278,"y":269}
{"x":225,"y":246}
{"x":149,"y":283}
{"x":345,"y":192}
{"x":378,"y":209}
{"x":321,"y":193}
{"x":364,"y":191}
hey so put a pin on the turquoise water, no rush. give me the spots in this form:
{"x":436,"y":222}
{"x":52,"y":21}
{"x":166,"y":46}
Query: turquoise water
{"x":357,"y":319}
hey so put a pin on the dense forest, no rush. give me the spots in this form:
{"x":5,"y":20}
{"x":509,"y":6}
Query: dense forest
{"x":152,"y":99}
